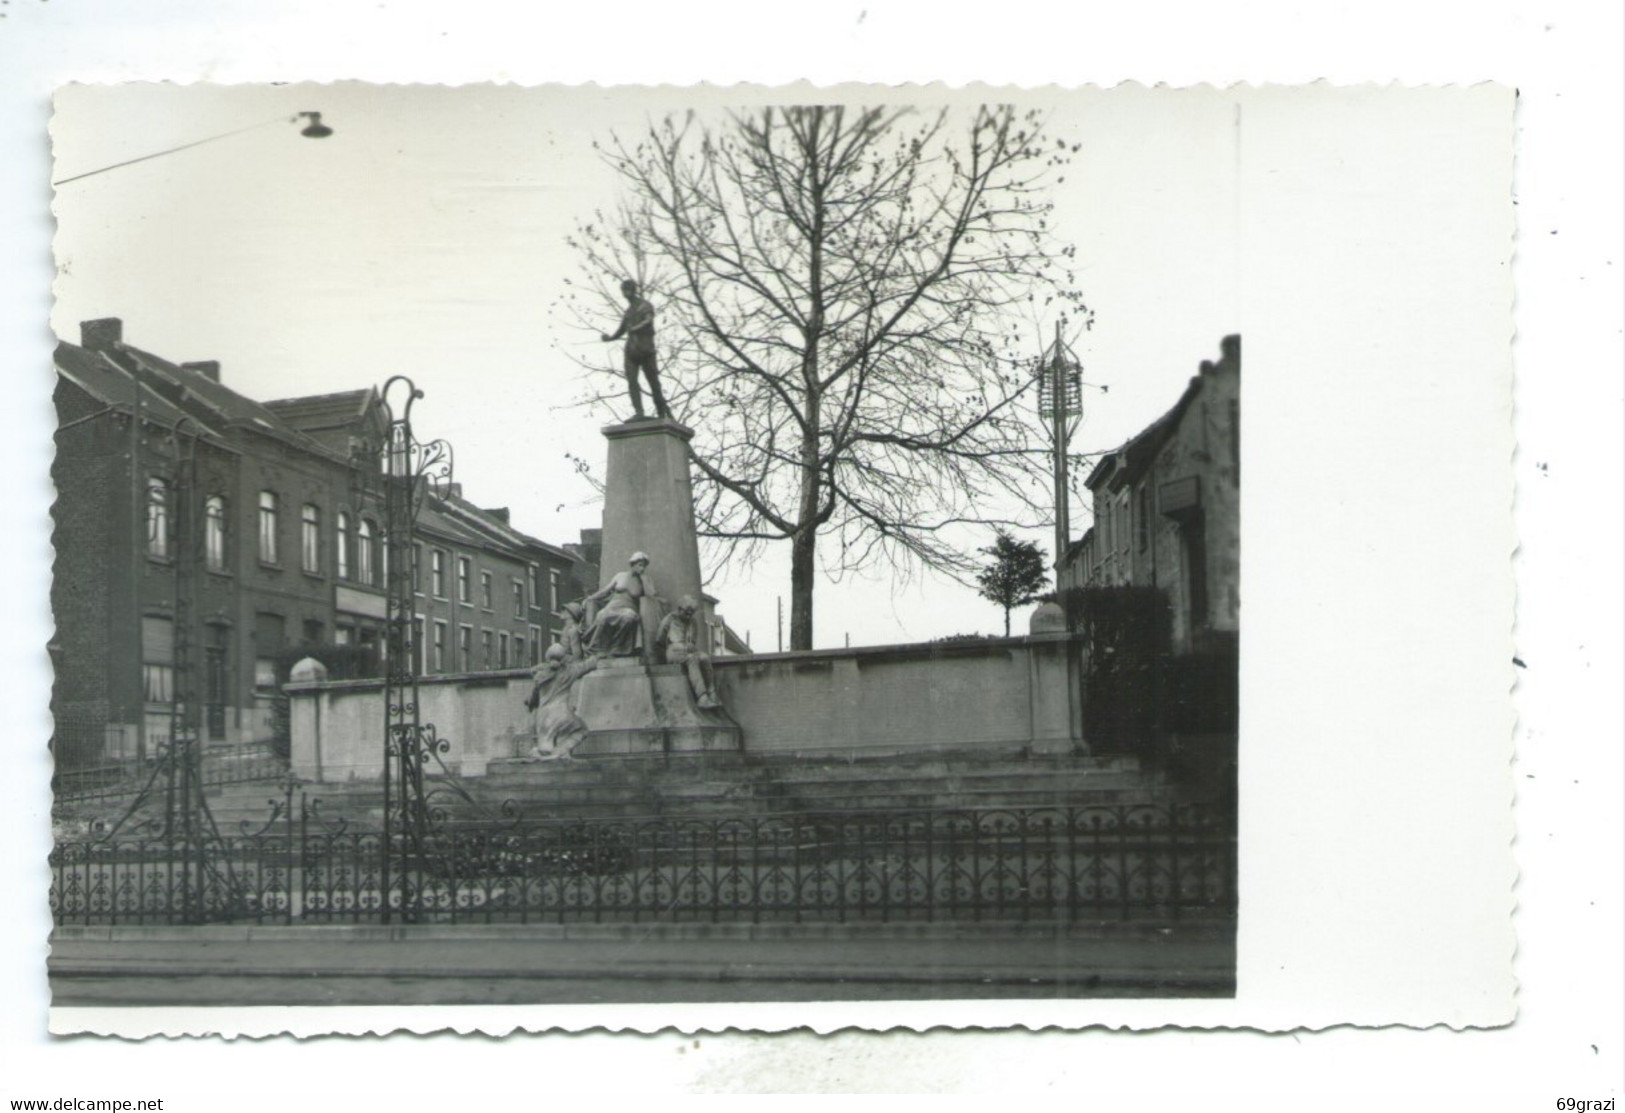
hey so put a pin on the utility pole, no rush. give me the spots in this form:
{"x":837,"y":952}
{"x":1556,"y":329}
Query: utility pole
{"x":1058,"y":431}
{"x":200,"y":871}
{"x":137,"y":554}
{"x":1060,"y":404}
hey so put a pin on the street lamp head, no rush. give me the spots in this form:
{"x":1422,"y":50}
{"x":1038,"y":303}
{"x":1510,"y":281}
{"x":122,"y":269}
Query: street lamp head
{"x":315,"y":129}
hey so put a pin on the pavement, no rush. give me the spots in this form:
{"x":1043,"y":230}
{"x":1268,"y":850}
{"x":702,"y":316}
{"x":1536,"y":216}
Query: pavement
{"x":553,"y":963}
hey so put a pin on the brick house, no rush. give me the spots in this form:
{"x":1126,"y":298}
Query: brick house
{"x":487,"y":595}
{"x":284,"y":549}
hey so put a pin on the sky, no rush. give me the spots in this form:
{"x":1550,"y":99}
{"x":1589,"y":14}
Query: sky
{"x":426,"y":237}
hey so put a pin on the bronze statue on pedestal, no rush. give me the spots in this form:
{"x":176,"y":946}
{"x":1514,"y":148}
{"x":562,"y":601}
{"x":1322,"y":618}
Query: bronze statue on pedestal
{"x":638,"y":326}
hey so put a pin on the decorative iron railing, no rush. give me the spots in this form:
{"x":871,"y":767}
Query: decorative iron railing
{"x":1147,"y":861}
{"x":127,"y":781}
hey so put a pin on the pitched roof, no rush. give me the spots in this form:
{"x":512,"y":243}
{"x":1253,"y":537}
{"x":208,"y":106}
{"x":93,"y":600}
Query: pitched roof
{"x":456,"y":517}
{"x":1130,"y":460}
{"x":111,"y":384}
{"x":314,"y":412}
{"x":170,"y":392}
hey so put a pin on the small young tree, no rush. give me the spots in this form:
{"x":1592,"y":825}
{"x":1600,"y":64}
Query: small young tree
{"x":1015,"y":575}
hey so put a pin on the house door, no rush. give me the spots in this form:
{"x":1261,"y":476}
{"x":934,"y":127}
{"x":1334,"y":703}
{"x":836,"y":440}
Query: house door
{"x":214,"y":689}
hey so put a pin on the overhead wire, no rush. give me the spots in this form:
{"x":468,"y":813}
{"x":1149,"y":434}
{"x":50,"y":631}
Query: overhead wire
{"x":172,"y":150}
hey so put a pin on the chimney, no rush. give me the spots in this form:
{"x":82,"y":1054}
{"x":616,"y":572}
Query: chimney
{"x":208,"y":368}
{"x":1231,"y":347}
{"x":101,"y":334}
{"x":500,"y":513}
{"x":592,"y":546}
{"x":455,"y":491}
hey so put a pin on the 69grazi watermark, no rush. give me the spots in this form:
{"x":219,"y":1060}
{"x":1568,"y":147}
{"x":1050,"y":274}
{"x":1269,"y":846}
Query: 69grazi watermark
{"x":1582,"y":1105}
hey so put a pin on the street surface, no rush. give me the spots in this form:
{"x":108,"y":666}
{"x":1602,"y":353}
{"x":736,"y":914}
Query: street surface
{"x":532,"y":964}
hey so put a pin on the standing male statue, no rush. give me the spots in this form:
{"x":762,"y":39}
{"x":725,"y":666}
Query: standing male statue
{"x":638,"y":326}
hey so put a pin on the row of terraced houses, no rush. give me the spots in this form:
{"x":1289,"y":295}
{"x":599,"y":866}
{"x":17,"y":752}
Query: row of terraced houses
{"x":286,"y":553}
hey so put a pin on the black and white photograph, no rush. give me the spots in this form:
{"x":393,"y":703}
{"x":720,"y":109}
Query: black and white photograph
{"x":573,"y":552}
{"x":644,"y":546}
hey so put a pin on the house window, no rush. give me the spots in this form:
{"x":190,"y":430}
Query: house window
{"x":341,"y":556}
{"x":502,"y":649}
{"x":1235,"y":438}
{"x":313,"y":631}
{"x":439,"y":647}
{"x":532,"y":581}
{"x":265,"y":675}
{"x":214,"y":533}
{"x":437,"y":572}
{"x":464,"y":585}
{"x":518,"y":650}
{"x":157,"y":517}
{"x":485,"y":649}
{"x":366,"y":566}
{"x":268,"y":530}
{"x":416,"y":656}
{"x":553,"y":590}
{"x":485,"y":590}
{"x":1196,"y":573}
{"x":310,"y":538}
{"x":157,"y":660}
{"x":519,"y":599}
{"x":374,"y":649}
{"x":1120,"y":538}
{"x":535,"y":645}
{"x":465,"y":648}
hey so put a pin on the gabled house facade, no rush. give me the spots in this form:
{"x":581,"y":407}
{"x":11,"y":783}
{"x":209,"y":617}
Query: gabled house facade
{"x":1167,"y":510}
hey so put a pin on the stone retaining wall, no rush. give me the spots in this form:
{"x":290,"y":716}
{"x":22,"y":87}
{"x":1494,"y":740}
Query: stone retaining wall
{"x":1004,"y":693}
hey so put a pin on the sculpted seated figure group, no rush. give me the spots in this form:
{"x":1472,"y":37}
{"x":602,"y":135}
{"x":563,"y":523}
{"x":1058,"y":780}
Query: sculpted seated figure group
{"x":609,"y":624}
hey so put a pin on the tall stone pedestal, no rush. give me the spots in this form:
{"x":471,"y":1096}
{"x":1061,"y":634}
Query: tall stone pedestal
{"x":649,"y":508}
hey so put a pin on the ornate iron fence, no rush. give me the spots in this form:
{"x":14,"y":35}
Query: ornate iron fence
{"x":254,"y":763}
{"x":1038,"y":864}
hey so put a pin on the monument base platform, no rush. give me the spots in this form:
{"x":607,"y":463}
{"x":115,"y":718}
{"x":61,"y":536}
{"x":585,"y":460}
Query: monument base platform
{"x":631,"y":711}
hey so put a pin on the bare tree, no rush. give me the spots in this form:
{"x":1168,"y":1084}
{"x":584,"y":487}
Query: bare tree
{"x":847,"y":299}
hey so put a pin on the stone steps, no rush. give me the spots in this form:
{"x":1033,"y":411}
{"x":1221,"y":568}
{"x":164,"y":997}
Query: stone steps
{"x":719,"y":785}
{"x":789,"y":770}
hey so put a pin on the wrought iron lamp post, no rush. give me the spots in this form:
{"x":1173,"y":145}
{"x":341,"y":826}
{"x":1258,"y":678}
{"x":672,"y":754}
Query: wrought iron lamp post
{"x":410,"y":470}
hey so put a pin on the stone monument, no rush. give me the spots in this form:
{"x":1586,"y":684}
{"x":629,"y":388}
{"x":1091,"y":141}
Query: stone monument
{"x":636,"y":701}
